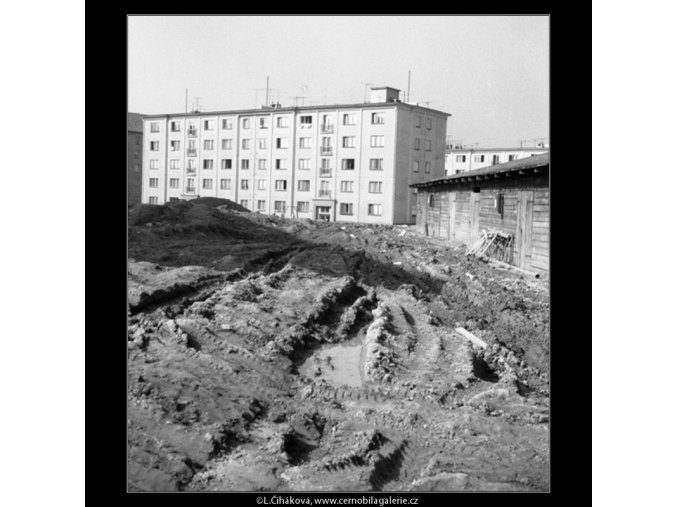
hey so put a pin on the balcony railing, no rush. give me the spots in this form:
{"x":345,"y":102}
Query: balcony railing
{"x":325,"y":173}
{"x":325,"y":193}
{"x":327,"y":129}
{"x":191,"y":152}
{"x":190,"y":190}
{"x":192,"y":132}
{"x":191,"y":171}
{"x":326,"y":150}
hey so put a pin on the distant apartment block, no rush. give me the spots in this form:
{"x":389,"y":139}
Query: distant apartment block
{"x":460,"y":160}
{"x":134,"y":157}
{"x":351,"y":163}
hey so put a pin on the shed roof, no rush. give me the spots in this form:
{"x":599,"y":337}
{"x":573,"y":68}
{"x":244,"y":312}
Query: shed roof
{"x":528,"y":165}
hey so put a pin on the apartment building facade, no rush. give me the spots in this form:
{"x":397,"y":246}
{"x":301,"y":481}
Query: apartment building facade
{"x":460,"y":160}
{"x":351,"y":163}
{"x":134,"y":157}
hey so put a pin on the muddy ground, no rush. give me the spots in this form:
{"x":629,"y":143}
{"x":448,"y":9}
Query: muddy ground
{"x":273,"y":355}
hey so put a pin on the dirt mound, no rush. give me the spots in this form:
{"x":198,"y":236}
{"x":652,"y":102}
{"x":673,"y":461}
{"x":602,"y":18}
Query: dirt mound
{"x":301,"y":355}
{"x":216,"y":202}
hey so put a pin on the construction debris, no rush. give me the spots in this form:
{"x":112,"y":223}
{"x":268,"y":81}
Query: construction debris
{"x":493,"y":244}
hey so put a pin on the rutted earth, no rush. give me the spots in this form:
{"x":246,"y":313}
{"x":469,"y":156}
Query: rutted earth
{"x":275,"y":355}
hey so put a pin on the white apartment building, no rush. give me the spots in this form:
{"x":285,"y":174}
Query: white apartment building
{"x":459,"y":160}
{"x":350,"y":163}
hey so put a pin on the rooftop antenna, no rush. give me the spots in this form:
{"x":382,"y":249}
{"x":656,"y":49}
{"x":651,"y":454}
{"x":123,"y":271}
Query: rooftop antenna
{"x":408,"y":87}
{"x":267,"y":89}
{"x":186,"y":99}
{"x":427,"y":102}
{"x":196,"y":108}
{"x":296,"y":100}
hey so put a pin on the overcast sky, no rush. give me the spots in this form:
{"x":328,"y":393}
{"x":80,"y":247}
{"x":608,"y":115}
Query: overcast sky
{"x":490,"y":72}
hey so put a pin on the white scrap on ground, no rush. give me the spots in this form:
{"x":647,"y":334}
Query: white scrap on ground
{"x":471,"y":337}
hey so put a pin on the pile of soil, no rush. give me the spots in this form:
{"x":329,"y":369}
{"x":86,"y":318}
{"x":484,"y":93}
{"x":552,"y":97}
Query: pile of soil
{"x":231,"y":376}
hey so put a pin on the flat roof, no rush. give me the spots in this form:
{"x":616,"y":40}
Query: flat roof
{"x":268,"y":110}
{"x":454,"y":150}
{"x":529,"y":165}
{"x":134,"y":122}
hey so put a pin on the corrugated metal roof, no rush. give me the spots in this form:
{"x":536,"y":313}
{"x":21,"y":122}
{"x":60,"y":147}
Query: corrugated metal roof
{"x":528,"y":163}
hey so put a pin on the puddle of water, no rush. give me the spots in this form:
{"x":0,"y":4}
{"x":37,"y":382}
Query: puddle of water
{"x":338,"y":364}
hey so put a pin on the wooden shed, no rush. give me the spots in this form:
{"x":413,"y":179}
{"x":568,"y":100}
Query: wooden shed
{"x":512,"y":199}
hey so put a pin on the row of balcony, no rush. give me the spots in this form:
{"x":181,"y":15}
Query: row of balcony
{"x":325,"y":129}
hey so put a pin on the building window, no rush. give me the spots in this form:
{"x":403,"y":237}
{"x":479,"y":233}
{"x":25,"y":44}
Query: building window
{"x":282,"y":143}
{"x":325,"y":168}
{"x":418,"y":121}
{"x":512,"y":157}
{"x":279,"y":206}
{"x":153,"y":183}
{"x":261,"y":205}
{"x":478,"y":158}
{"x":348,"y":141}
{"x":245,"y":123}
{"x":348,"y":164}
{"x":190,"y":185}
{"x":155,"y":164}
{"x":346,"y":208}
{"x":280,"y":184}
{"x":306,"y":120}
{"x":244,"y":203}
{"x":175,"y":126}
{"x":175,"y":163}
{"x":155,"y":146}
{"x":244,"y":184}
{"x":263,"y":143}
{"x":175,"y":145}
{"x":414,"y":166}
{"x":152,"y":200}
{"x":495,"y":159}
{"x":209,"y":124}
{"x":245,"y":144}
{"x":427,"y":167}
{"x":429,"y":123}
{"x":244,"y":163}
{"x":262,"y":163}
{"x":191,"y":164}
{"x":347,"y":186}
{"x":304,"y":163}
{"x":349,"y":119}
{"x":226,"y":144}
{"x":304,"y":185}
{"x":428,"y":145}
{"x":374,"y":210}
{"x":282,"y":121}
{"x":417,"y":144}
{"x":324,"y":189}
{"x":207,"y":164}
{"x":207,"y":183}
{"x":377,"y":119}
{"x":209,"y":144}
{"x":261,"y":184}
{"x":376,"y":164}
{"x":226,"y":163}
{"x":263,"y":123}
{"x":303,"y":206}
{"x":173,"y":182}
{"x":377,"y":141}
{"x":225,"y":184}
{"x":227,"y":123}
{"x":375,"y":187}
{"x":304,"y":142}
{"x":460,"y":158}
{"x":155,"y":127}
{"x":280,"y":163}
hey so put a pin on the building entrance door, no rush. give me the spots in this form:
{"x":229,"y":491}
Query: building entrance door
{"x":323,"y":213}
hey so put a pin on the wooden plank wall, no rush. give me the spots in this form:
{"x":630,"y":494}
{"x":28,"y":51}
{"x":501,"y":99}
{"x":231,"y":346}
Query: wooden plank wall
{"x":437,"y":217}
